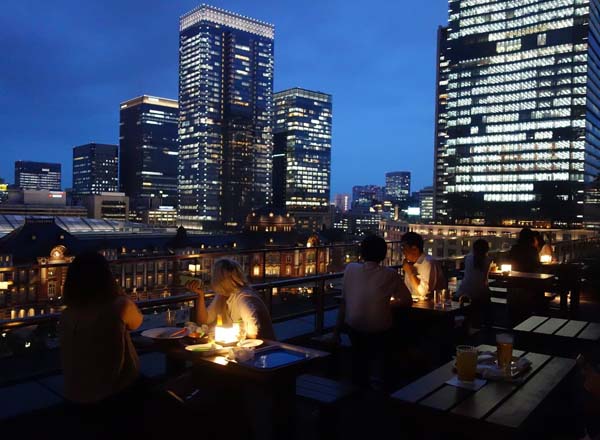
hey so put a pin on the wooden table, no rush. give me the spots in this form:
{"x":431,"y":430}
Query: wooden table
{"x":558,"y":336}
{"x":497,"y":410}
{"x":525,"y":280}
{"x":269,"y":392}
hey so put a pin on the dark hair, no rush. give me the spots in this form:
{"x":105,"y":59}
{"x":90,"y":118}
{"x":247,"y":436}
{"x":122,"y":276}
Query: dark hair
{"x":373,"y":248}
{"x":480,"y":250}
{"x":537,"y":235}
{"x":526,"y":236}
{"x":89,"y":281}
{"x":412,"y":239}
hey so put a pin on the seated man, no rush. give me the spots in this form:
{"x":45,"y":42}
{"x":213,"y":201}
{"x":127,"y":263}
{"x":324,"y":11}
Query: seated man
{"x":365,"y":311}
{"x":422,"y":273}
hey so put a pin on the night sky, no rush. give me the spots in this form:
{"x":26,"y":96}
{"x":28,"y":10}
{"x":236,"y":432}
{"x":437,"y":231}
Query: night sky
{"x":66,"y":65}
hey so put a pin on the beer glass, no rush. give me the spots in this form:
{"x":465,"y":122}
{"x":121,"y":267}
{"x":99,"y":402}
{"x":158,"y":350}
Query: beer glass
{"x":466,"y":362}
{"x":504,"y":347}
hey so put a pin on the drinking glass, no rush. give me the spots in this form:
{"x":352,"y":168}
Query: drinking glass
{"x":447,"y":294}
{"x":437,"y":298}
{"x":504,"y":347}
{"x":466,"y":362}
{"x":171,"y":318}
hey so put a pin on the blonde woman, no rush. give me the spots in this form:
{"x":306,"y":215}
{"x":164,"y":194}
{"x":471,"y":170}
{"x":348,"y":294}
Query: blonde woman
{"x":234,"y":301}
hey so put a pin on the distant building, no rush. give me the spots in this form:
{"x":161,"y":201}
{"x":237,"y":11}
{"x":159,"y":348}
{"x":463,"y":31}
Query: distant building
{"x":108,"y":206}
{"x":366,"y":195}
{"x":3,"y":190}
{"x":95,"y":168}
{"x":148,"y":142}
{"x":38,"y":175}
{"x":162,"y":216}
{"x":39,"y":203}
{"x":397,"y":186}
{"x":342,"y":202}
{"x":426,"y":204}
{"x":302,"y":155}
{"x":226,"y":116}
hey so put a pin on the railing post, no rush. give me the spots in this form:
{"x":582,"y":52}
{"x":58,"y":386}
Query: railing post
{"x":319,"y":307}
{"x":270,"y":300}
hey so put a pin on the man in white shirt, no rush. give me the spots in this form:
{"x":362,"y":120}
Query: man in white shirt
{"x":365,"y":311}
{"x":422,"y":273}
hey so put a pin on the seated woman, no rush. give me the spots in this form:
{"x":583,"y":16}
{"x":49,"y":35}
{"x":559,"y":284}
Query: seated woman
{"x":234,"y":301}
{"x":475,"y":283}
{"x":100,"y":364}
{"x":523,"y":256}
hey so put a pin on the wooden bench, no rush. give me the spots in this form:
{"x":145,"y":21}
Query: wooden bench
{"x":558,"y":336}
{"x":327,"y":394}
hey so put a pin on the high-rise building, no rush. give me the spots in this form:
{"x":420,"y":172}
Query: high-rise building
{"x":302,"y":155}
{"x":425,"y":197}
{"x":518,"y":113}
{"x":397,"y":186}
{"x":342,"y":202}
{"x":38,"y":175}
{"x":365,"y":195}
{"x":3,"y":190}
{"x":225,"y":124}
{"x":148,"y":141}
{"x":95,"y":169}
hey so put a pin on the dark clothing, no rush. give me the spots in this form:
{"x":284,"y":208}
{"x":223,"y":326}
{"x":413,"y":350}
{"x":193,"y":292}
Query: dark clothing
{"x":524,"y":258}
{"x":369,"y":349}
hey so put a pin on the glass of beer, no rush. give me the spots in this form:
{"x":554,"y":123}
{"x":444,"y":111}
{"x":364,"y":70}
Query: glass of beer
{"x":466,"y":362}
{"x":504,"y":347}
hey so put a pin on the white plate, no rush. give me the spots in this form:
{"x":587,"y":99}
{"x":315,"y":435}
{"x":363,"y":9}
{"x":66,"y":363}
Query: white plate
{"x":205,"y":349}
{"x":251,"y":343}
{"x":165,"y":333}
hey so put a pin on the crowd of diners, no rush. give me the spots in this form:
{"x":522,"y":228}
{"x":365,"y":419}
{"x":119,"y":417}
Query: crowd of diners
{"x":102,"y":370}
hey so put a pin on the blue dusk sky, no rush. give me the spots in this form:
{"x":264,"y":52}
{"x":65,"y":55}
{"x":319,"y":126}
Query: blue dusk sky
{"x":67,"y":64}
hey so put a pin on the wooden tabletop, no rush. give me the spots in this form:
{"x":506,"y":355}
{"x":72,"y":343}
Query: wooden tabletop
{"x":560,"y":327}
{"x":428,"y":305}
{"x":497,"y":404}
{"x":513,"y":274}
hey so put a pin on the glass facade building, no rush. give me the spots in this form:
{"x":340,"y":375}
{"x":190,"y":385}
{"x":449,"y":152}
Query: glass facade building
{"x":397,"y":186}
{"x":365,"y":195}
{"x":517,"y":113}
{"x":226,"y":115}
{"x":148,"y":141}
{"x":95,"y":168}
{"x":302,"y":152}
{"x":38,"y":175}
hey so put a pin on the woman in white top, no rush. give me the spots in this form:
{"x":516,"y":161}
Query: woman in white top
{"x":475,"y":283}
{"x":100,"y":364}
{"x":234,"y":301}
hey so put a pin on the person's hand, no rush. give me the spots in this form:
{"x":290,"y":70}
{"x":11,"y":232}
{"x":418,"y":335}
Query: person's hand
{"x":194,"y":286}
{"x":407,"y":267}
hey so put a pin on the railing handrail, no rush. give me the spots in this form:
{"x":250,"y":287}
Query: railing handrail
{"x":6,"y":324}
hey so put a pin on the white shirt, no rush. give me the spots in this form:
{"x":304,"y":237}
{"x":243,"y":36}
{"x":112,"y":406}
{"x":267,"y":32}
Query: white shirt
{"x":475,"y":282}
{"x":430,"y":276}
{"x":367,"y":288}
{"x":248,"y":307}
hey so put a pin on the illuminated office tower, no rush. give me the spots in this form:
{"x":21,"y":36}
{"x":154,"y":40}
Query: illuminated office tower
{"x":38,"y":175}
{"x":95,"y":169}
{"x":302,"y":155}
{"x":365,"y":195}
{"x":225,"y":125}
{"x":397,"y":186}
{"x":518,"y":111}
{"x":342,"y":202}
{"x":148,"y":141}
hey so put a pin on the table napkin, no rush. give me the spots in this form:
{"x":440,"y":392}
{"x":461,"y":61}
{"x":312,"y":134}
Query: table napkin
{"x":473,"y":386}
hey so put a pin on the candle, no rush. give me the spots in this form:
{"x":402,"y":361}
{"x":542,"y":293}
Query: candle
{"x":506,"y":268}
{"x":546,"y":259}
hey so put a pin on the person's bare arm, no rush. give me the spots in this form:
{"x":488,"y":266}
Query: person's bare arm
{"x":201,"y":312}
{"x":129,"y":312}
{"x":411,"y":274}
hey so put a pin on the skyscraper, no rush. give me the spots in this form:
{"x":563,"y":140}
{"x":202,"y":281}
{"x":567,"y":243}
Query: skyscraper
{"x":38,"y":175}
{"x":397,"y":186}
{"x":95,"y":169}
{"x":148,"y":141}
{"x":342,"y":202}
{"x":365,"y":195}
{"x":425,"y":197}
{"x":225,"y":125}
{"x":302,"y":155}
{"x":518,"y":113}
